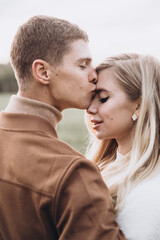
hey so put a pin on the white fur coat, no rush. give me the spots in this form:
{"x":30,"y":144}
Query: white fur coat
{"x":139,"y":218}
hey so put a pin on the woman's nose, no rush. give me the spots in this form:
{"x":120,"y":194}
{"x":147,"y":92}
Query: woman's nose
{"x":92,"y":109}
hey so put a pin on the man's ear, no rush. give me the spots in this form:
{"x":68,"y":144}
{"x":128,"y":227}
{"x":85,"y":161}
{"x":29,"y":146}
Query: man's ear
{"x":40,"y":71}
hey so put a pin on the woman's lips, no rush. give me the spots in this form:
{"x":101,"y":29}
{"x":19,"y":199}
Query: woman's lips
{"x":96,"y":124}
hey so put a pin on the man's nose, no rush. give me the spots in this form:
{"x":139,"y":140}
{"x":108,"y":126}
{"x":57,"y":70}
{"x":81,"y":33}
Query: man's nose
{"x":93,"y":76}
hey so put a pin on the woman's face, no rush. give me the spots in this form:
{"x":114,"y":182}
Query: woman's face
{"x":111,"y":110}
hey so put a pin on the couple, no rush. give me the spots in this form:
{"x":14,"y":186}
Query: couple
{"x":50,"y":191}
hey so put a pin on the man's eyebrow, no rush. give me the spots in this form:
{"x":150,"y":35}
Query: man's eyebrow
{"x":84,"y":59}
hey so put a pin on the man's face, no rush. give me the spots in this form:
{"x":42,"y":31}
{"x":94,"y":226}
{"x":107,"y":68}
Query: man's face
{"x":73,"y":84}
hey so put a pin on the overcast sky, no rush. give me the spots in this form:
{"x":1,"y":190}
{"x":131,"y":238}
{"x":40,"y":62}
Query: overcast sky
{"x":113,"y":26}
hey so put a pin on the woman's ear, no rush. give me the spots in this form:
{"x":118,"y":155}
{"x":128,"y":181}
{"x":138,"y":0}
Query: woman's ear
{"x":137,"y":108}
{"x":40,"y":71}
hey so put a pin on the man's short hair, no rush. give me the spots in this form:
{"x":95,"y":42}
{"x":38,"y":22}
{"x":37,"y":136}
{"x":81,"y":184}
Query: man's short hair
{"x":42,"y":37}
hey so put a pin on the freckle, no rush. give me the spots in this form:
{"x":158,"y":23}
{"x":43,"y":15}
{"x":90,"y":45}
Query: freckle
{"x":112,"y":119}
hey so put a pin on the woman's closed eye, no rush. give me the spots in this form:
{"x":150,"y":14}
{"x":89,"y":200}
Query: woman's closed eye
{"x":103,"y":100}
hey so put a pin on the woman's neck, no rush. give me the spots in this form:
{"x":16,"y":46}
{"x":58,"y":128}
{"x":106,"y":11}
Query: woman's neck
{"x":125,"y":142}
{"x":123,"y":149}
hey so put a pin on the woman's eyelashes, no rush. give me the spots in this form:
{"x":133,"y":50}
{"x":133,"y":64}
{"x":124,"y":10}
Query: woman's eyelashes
{"x":103,"y":100}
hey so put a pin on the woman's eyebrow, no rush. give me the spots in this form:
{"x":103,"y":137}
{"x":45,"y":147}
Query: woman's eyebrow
{"x":101,"y":90}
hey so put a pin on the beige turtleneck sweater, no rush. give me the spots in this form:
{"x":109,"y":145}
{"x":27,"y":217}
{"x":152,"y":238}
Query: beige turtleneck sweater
{"x":18,"y":104}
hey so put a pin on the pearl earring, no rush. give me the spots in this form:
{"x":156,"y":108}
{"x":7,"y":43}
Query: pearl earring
{"x":134,"y":117}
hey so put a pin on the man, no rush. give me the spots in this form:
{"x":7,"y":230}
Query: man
{"x":47,"y":189}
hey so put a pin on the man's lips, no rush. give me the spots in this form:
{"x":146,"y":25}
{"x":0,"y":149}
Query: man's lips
{"x":96,"y":123}
{"x":93,"y":93}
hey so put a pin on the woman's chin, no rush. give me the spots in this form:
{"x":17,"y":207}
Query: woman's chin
{"x":99,"y":136}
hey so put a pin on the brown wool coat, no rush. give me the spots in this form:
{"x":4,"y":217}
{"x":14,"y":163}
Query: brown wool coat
{"x":47,"y":189}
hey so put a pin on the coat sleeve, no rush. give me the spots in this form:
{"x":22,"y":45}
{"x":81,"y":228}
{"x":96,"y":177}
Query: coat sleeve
{"x":83,"y":207}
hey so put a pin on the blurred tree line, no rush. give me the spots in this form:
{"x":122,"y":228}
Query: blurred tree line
{"x":8,"y":82}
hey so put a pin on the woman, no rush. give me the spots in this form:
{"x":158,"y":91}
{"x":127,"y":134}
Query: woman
{"x":125,"y":116}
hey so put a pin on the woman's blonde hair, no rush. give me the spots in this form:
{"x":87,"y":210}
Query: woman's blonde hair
{"x":139,"y":76}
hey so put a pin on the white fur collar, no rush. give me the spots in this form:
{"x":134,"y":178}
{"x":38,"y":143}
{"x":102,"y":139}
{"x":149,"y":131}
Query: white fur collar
{"x":139,"y":218}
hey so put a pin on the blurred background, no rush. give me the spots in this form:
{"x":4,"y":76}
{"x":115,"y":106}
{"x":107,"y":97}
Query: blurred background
{"x":113,"y":26}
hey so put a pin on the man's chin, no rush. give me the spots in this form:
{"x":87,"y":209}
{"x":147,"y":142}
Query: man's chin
{"x":83,"y":104}
{"x":88,"y":105}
